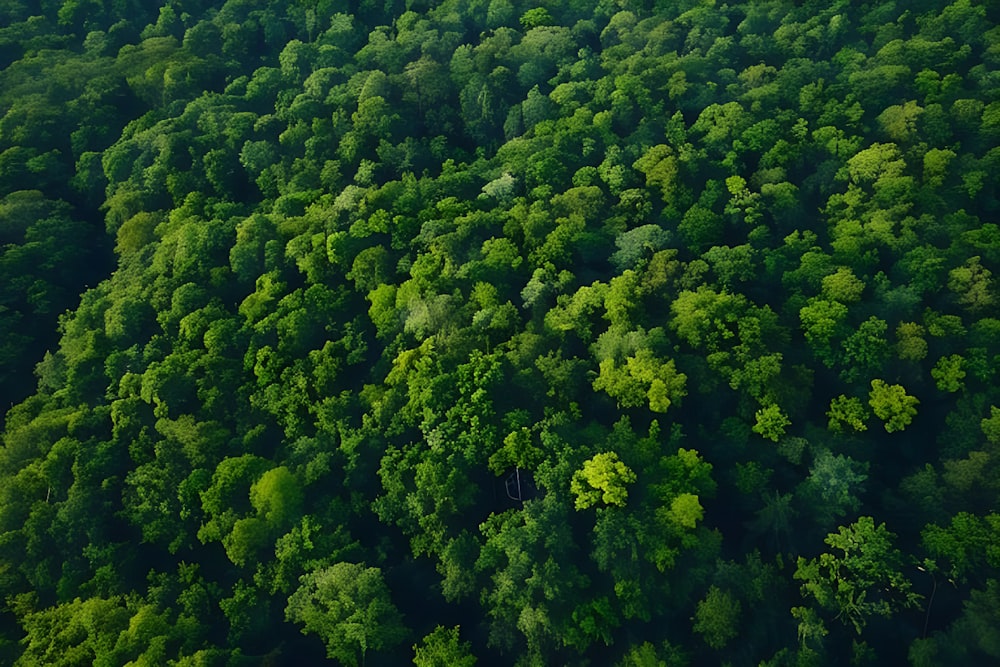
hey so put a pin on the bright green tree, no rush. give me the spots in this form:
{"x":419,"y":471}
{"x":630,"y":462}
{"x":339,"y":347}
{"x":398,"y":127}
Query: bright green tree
{"x":948,"y":373}
{"x":443,"y":648}
{"x":893,"y":405}
{"x":603,"y":479}
{"x":642,"y":380}
{"x":686,"y":510}
{"x":771,"y":422}
{"x":843,"y":286}
{"x":847,"y":411}
{"x":277,"y":497}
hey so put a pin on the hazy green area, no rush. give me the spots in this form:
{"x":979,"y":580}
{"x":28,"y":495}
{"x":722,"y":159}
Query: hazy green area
{"x":482,"y":331}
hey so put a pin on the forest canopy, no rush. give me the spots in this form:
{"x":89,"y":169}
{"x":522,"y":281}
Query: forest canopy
{"x":609,"y":332}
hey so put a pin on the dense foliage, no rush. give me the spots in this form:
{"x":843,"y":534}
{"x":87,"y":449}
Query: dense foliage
{"x":608,"y":332}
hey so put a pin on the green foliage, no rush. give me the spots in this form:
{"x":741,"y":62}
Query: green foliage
{"x":821,"y":321}
{"x":843,"y":286}
{"x":603,"y":479}
{"x":647,"y":655}
{"x":442,"y":648}
{"x":865,"y":350}
{"x":847,"y":411}
{"x":349,"y":607}
{"x":660,"y":168}
{"x":833,"y":486}
{"x":638,"y":244}
{"x":75,"y":632}
{"x":771,"y":423}
{"x":685,"y":510}
{"x":277,"y":497}
{"x":967,"y":545}
{"x":891,"y":404}
{"x":643,"y":380}
{"x":717,"y":618}
{"x":863,"y":579}
{"x":972,"y":284}
{"x":911,"y":344}
{"x":706,"y":318}
{"x":312,"y":284}
{"x":535,"y":17}
{"x":991,"y":426}
{"x":948,"y":373}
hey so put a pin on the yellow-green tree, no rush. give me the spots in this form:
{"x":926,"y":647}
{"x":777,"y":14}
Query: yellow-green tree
{"x":603,"y":479}
{"x":891,"y":404}
{"x":349,"y":607}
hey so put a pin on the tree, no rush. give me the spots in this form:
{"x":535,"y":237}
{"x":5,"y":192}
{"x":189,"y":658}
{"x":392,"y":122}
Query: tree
{"x":770,"y":422}
{"x":685,"y":510}
{"x":443,"y":648}
{"x":706,"y":318}
{"x":811,"y":628}
{"x":865,"y":349}
{"x":891,"y":404}
{"x":910,"y":342}
{"x":875,"y":162}
{"x":775,"y":518}
{"x":534,"y":581}
{"x":228,"y":495}
{"x":701,"y":227}
{"x":821,"y":321}
{"x":991,"y":426}
{"x":832,"y":487}
{"x":518,"y":451}
{"x":966,"y":546}
{"x":661,"y":170}
{"x":742,"y":202}
{"x":603,"y":479}
{"x":73,"y":633}
{"x":277,"y":497}
{"x":899,"y":121}
{"x":535,"y":17}
{"x":638,"y":244}
{"x":847,"y":411}
{"x":973,"y":637}
{"x":972,"y":284}
{"x":732,"y":265}
{"x":246,"y":541}
{"x":864,"y":579}
{"x":948,"y":373}
{"x":323,"y":223}
{"x":717,"y":617}
{"x":576,"y":313}
{"x":348,"y":605}
{"x":647,"y":655}
{"x":642,"y":380}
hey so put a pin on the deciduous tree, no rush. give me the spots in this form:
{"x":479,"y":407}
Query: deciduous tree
{"x":603,"y":479}
{"x":350,"y":608}
{"x":892,"y":404}
{"x":860,"y":577}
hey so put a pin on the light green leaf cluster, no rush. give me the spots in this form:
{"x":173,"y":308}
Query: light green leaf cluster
{"x":603,"y":479}
{"x":892,"y":404}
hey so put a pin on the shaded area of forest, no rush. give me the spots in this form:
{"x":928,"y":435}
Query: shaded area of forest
{"x":303,"y":286}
